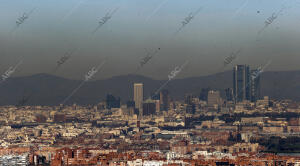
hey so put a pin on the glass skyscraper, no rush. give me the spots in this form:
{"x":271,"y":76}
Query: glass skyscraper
{"x":246,"y":83}
{"x":255,"y":85}
{"x":241,"y":83}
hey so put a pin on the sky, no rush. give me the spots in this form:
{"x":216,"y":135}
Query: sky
{"x":139,"y":27}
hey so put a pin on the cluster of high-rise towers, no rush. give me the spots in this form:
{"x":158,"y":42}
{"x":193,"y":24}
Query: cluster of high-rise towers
{"x":246,"y":86}
{"x":154,"y":103}
{"x":246,"y":83}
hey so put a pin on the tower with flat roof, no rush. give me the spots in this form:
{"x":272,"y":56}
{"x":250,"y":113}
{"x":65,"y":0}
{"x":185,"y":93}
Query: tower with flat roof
{"x":138,"y":97}
{"x":241,"y":83}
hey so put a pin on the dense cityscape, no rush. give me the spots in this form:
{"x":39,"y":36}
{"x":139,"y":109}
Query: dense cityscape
{"x":240,"y":127}
{"x":149,"y":83}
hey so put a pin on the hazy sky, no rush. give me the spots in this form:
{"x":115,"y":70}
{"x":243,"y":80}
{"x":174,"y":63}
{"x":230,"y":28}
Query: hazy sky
{"x":220,"y":28}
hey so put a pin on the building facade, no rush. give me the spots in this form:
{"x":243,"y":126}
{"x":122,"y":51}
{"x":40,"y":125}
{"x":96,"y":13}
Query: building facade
{"x":241,"y":83}
{"x":138,"y":97}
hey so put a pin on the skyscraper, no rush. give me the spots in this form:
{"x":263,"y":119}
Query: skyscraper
{"x":164,"y":100}
{"x":112,"y":101}
{"x":156,"y":98}
{"x":255,"y":85}
{"x":149,"y":107}
{"x":139,"y":97}
{"x":241,"y":83}
{"x":229,"y":94}
{"x":203,"y":94}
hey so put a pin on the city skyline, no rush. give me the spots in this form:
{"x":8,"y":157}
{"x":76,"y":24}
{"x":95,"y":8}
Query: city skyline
{"x":149,"y":83}
{"x":28,"y":90}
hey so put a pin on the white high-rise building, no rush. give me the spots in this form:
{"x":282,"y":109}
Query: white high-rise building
{"x":138,"y":97}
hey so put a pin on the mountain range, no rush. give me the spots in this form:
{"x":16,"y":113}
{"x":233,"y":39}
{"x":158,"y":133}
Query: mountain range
{"x":45,"y":89}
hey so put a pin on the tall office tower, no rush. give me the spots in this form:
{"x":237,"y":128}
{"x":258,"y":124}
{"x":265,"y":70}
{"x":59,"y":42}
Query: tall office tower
{"x":138,"y":97}
{"x":229,"y":94}
{"x":112,"y":102}
{"x":149,"y":107}
{"x":255,"y":85}
{"x":164,"y":100}
{"x":203,"y":94}
{"x":155,"y":98}
{"x":214,"y":98}
{"x":241,"y":83}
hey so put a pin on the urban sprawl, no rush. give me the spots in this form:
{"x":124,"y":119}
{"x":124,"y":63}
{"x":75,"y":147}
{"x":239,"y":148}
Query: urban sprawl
{"x":234,"y":126}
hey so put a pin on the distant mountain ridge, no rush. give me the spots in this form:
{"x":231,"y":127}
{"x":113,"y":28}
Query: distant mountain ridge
{"x":45,"y":89}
